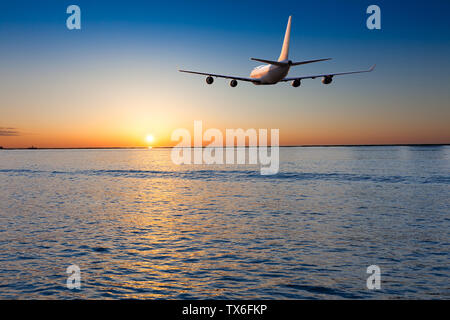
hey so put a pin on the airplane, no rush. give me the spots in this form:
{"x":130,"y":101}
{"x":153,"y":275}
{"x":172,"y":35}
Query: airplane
{"x":276,"y":71}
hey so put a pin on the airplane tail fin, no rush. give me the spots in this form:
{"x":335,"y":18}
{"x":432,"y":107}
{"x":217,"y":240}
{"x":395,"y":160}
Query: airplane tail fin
{"x":285,"y":49}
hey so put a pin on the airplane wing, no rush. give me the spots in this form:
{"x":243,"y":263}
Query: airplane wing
{"x":221,"y":76}
{"x":327,"y":75}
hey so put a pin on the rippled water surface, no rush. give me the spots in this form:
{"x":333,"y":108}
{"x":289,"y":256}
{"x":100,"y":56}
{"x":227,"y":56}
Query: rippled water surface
{"x":139,"y":226}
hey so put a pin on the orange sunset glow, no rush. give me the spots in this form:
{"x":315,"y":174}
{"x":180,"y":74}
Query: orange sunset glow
{"x":74,"y":94}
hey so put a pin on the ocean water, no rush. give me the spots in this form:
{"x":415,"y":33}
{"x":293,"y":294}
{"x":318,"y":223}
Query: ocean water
{"x":139,"y":226}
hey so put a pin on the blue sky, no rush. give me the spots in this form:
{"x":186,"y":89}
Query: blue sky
{"x":119,"y":72}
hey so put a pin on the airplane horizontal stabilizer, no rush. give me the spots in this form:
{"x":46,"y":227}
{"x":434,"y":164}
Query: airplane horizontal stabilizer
{"x":289,"y":62}
{"x":277,"y":63}
{"x":308,"y":61}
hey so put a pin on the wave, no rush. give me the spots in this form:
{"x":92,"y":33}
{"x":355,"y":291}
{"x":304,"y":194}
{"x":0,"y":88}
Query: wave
{"x":235,"y":175}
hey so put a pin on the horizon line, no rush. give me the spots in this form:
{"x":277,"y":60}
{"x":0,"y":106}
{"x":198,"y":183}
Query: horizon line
{"x":203,"y":147}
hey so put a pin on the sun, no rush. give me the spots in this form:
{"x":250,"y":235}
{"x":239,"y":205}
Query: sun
{"x":150,"y":138}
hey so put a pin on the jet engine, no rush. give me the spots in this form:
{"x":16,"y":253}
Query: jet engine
{"x":296,"y":83}
{"x":233,"y":83}
{"x":327,"y":79}
{"x":209,"y":80}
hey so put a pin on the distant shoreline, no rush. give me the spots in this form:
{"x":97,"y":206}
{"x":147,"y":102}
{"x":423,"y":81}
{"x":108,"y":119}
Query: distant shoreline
{"x":288,"y":146}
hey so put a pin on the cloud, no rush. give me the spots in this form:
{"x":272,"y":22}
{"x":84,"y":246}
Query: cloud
{"x":8,"y":132}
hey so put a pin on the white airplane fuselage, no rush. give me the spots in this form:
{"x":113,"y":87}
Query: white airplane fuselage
{"x":269,"y":73}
